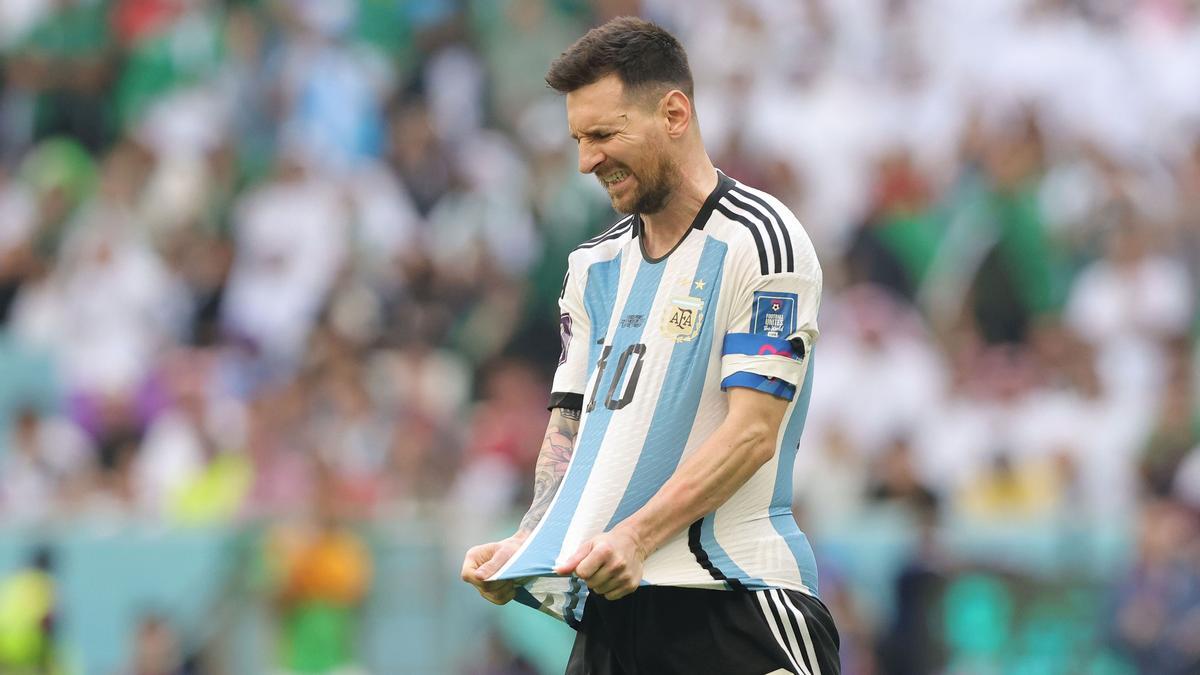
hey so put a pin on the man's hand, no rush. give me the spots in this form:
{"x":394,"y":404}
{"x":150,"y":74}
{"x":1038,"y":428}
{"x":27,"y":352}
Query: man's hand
{"x":610,"y":563}
{"x":482,"y":562}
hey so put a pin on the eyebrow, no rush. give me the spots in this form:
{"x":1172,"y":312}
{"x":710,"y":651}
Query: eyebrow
{"x":594,"y":131}
{"x":603,"y":128}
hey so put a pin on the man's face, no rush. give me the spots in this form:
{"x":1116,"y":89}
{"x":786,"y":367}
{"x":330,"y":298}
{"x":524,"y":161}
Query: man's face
{"x":622,"y":142}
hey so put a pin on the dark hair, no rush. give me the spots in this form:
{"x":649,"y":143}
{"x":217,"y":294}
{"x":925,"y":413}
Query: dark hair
{"x":642,"y":54}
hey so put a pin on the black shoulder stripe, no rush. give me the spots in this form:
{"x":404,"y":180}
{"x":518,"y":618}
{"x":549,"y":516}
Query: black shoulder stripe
{"x":787,"y":236}
{"x":758,"y":239}
{"x":607,"y":231}
{"x":614,"y":234}
{"x":610,"y":229}
{"x":604,"y":233}
{"x":768,"y":225}
{"x":619,"y":228}
{"x":562,"y":293}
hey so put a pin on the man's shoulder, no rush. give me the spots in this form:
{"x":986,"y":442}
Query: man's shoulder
{"x":605,"y":245}
{"x":752,"y":198}
{"x":763,"y":231}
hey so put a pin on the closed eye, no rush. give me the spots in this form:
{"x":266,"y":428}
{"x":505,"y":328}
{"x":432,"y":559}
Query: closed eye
{"x":595,"y":137}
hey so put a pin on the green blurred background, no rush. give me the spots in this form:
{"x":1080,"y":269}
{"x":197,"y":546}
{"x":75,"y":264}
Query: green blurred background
{"x":278,"y":285}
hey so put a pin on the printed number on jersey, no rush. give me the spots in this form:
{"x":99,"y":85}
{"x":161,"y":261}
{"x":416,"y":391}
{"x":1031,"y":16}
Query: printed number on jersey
{"x":620,"y":391}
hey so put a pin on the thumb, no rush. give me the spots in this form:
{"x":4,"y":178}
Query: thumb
{"x":487,"y":569}
{"x":573,"y":562}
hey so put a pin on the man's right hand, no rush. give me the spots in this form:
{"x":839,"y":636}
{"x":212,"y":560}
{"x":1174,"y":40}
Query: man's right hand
{"x":483,"y":561}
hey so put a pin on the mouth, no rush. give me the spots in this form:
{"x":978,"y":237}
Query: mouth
{"x":615,"y":179}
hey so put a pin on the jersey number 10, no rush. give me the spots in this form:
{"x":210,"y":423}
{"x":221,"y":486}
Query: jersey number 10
{"x":634,"y":352}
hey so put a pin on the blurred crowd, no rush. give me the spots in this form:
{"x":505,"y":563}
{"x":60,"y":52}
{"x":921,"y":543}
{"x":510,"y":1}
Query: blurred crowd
{"x":267,"y":257}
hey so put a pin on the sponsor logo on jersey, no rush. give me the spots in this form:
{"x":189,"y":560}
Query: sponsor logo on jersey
{"x":633,"y":321}
{"x":773,"y":314}
{"x":682,"y":318}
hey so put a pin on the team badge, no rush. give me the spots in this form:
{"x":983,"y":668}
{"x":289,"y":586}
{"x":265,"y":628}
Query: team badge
{"x":774,"y":314}
{"x":682,"y":318}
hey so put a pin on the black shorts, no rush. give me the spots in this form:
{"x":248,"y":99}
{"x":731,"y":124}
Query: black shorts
{"x":658,"y":630}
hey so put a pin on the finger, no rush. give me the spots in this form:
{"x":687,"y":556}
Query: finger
{"x":602,"y":578}
{"x":572,"y":563}
{"x":620,"y":591}
{"x":608,"y":586}
{"x":501,"y":597}
{"x":496,"y":586}
{"x":476,"y":557}
{"x":471,"y":562}
{"x":600,"y":556}
{"x":499,"y":592}
{"x":493,"y":565}
{"x":607,"y":580}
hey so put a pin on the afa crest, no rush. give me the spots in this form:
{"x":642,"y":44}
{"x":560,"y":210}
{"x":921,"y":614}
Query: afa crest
{"x":682,"y":318}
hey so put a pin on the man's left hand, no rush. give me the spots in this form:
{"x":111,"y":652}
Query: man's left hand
{"x":610,"y":563}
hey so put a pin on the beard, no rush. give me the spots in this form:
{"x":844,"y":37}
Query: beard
{"x":655,"y":187}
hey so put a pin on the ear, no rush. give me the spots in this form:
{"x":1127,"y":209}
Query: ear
{"x":676,"y":111}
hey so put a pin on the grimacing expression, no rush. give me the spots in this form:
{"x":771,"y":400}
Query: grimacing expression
{"x":621,"y":144}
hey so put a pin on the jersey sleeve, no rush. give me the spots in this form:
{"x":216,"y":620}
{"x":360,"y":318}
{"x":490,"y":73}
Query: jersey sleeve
{"x":574,"y":330}
{"x":771,"y":330}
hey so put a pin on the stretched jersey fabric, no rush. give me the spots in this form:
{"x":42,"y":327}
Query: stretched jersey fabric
{"x":648,"y":349}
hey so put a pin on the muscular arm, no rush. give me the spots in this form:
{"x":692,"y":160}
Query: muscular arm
{"x":611,"y":563}
{"x":483,"y":561}
{"x":714,"y":472}
{"x":557,"y":448}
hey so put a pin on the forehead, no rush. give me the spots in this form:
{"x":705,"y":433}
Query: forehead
{"x":599,"y":103}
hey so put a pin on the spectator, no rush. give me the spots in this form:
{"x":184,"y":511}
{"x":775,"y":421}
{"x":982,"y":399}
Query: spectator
{"x":65,"y":64}
{"x":46,"y":470}
{"x":156,"y":650}
{"x":17,"y":259}
{"x":1154,"y":615}
{"x":291,"y":240}
{"x":321,"y":572}
{"x":248,"y":246}
{"x":29,"y":630}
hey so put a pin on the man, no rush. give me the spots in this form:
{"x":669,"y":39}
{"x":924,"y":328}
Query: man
{"x":29,"y":618}
{"x":661,"y":525}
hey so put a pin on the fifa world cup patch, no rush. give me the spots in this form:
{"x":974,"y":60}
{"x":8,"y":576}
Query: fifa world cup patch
{"x":564,"y":332}
{"x":682,"y":318}
{"x":774,"y":314}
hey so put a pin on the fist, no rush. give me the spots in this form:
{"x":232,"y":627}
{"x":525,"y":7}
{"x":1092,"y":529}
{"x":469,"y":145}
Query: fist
{"x":483,"y":561}
{"x":610,"y":563}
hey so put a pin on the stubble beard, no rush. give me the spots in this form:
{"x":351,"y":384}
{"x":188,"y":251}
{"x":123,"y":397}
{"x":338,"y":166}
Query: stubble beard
{"x":655,"y":189}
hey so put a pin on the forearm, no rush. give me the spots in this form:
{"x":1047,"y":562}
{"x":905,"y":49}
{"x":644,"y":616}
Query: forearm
{"x":703,"y":482}
{"x":557,"y":448}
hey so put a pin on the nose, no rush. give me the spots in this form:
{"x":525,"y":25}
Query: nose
{"x":589,"y":157}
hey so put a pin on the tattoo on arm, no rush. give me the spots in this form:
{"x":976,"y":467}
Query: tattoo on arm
{"x":556,"y":452}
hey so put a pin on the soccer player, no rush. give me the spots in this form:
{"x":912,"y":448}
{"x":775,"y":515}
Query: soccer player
{"x":661,"y":525}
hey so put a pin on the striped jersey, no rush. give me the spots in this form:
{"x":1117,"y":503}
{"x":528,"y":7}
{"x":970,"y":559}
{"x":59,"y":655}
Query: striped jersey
{"x":649,"y":347}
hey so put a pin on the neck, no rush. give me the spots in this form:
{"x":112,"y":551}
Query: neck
{"x":662,"y":230}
